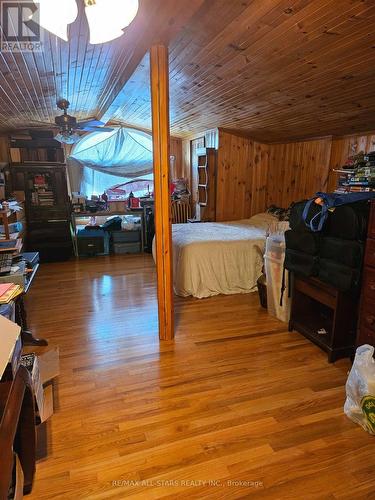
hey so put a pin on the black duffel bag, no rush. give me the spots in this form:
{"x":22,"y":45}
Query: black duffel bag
{"x":296,"y":221}
{"x":349,"y":222}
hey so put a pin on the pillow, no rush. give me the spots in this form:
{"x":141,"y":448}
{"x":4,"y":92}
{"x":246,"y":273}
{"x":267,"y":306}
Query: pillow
{"x":262,"y":220}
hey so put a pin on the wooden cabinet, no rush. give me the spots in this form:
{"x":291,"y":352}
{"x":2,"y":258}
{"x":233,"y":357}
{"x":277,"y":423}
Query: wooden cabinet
{"x":325,"y":316}
{"x":207,"y":173}
{"x":366,"y":330}
{"x":46,"y":191}
{"x":47,"y":208}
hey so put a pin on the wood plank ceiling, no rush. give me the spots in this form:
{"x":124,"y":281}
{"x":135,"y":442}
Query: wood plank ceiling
{"x":275,"y":69}
{"x":89,"y":76}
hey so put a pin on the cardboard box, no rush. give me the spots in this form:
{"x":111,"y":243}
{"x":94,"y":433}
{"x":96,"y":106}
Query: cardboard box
{"x":49,"y":364}
{"x":117,"y":206}
{"x":44,"y":366}
{"x":30,"y":361}
{"x":46,"y":410}
{"x":9,"y":333}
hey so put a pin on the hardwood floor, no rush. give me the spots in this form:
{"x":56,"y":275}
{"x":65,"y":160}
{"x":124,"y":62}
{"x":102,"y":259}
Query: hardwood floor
{"x":236,"y":406}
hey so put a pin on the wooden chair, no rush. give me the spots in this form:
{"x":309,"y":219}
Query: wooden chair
{"x":181,"y":212}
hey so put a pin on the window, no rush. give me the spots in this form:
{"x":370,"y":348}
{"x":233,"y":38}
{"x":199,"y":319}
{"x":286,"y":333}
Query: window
{"x":110,"y":159}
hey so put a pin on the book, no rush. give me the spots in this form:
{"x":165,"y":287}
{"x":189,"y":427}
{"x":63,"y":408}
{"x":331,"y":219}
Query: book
{"x":10,"y":294}
{"x":10,"y":245}
{"x":4,"y":287}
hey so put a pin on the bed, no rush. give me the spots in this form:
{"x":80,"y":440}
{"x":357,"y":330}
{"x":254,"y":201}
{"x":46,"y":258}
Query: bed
{"x":219,"y":257}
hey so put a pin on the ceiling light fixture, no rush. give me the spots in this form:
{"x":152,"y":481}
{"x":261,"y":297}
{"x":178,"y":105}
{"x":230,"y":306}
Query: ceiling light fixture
{"x":108,"y":18}
{"x":55,"y":16}
{"x":67,"y":137}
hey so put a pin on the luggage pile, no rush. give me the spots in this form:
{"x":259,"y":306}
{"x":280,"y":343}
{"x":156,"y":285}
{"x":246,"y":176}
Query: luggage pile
{"x":333,"y":252}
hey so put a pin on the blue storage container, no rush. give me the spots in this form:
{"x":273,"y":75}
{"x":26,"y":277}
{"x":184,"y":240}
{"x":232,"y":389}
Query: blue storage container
{"x":92,"y":242}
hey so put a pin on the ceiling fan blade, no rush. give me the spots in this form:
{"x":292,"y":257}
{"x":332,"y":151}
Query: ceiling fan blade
{"x":96,"y":129}
{"x":90,"y":123}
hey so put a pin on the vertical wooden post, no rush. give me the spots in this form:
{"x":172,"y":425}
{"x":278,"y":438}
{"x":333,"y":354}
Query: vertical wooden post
{"x":163,"y":228}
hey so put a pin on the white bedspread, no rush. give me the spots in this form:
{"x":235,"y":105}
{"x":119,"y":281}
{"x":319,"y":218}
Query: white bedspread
{"x":218,"y":258}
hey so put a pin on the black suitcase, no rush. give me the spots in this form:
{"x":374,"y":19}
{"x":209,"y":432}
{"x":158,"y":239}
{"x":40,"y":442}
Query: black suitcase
{"x":301,"y":263}
{"x":341,"y":277}
{"x":306,"y":242}
{"x":346,"y":252}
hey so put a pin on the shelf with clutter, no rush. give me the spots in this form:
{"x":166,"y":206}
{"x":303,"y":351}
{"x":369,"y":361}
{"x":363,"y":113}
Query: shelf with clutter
{"x":11,"y":222}
{"x":357,"y":174}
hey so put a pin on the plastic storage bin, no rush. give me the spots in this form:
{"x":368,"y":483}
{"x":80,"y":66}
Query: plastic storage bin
{"x":92,"y":242}
{"x":126,"y":236}
{"x":274,"y":264}
{"x":123,"y":248}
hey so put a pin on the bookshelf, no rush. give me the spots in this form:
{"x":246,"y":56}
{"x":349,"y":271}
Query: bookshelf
{"x":39,"y":146}
{"x":47,"y":207}
{"x":19,"y":156}
{"x":206,"y":195}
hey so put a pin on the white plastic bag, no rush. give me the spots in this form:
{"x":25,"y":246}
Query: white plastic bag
{"x":360,"y":389}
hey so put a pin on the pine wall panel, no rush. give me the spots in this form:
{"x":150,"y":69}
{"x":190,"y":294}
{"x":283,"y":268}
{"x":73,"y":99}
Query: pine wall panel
{"x":4,"y":149}
{"x":252,"y":175}
{"x":242,"y":165}
{"x":175,"y":147}
{"x":297,"y":170}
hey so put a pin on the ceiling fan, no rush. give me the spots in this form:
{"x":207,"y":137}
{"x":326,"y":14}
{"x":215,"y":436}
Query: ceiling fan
{"x":68,"y":125}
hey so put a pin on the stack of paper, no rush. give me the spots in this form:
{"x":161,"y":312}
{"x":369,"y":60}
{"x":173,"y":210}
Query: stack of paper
{"x":8,"y":292}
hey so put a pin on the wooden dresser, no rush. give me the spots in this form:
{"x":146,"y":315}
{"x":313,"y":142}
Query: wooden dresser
{"x":366,"y":331}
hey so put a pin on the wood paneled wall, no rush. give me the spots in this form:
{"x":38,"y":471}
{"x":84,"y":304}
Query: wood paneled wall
{"x":297,"y":170}
{"x":4,"y":149}
{"x":175,"y":146}
{"x":241,"y":176}
{"x":251,"y":175}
